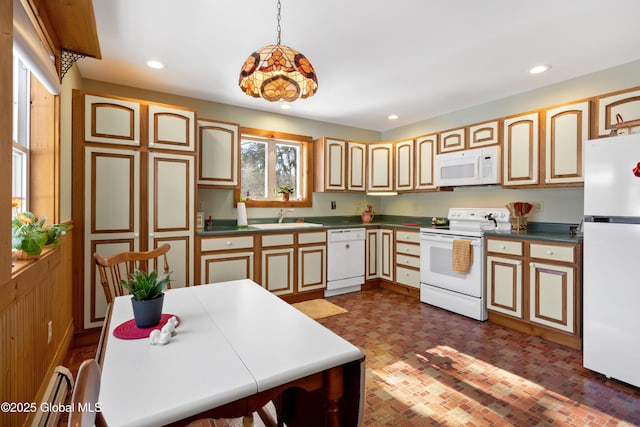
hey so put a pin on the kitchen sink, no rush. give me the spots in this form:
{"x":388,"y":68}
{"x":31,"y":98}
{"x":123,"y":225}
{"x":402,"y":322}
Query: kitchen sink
{"x":282,"y":225}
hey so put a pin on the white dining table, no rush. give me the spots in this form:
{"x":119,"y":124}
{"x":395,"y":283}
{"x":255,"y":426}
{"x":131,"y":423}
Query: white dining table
{"x":237,"y":347}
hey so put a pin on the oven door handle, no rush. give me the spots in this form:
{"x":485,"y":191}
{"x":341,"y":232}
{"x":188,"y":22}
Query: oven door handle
{"x":448,"y":239}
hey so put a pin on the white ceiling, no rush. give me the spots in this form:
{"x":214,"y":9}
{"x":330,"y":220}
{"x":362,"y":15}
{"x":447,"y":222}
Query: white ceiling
{"x":414,"y":58}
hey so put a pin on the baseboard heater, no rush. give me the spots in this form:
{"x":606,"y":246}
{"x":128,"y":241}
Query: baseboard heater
{"x":60,"y":384}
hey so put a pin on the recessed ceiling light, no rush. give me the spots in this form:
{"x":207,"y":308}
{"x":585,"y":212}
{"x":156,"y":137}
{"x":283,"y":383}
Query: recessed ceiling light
{"x":286,"y":106}
{"x":393,"y":117}
{"x":155,"y":64}
{"x":539,"y":69}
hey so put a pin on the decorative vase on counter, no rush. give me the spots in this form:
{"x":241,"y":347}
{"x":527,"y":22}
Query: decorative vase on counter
{"x":366,"y":217}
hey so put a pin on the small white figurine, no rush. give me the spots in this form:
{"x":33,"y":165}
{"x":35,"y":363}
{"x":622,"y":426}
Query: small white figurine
{"x":170,"y":326}
{"x":158,"y":337}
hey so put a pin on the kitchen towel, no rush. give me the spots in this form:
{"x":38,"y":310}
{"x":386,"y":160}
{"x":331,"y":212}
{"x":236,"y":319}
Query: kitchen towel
{"x":242,"y":215}
{"x":461,"y":255}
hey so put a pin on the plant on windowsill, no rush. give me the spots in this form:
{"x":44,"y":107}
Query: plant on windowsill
{"x":147,"y":296}
{"x":29,"y":235}
{"x":286,"y":192}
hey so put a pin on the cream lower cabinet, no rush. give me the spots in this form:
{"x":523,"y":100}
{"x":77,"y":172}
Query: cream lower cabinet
{"x":386,"y":254}
{"x":407,"y":258}
{"x":504,"y":285}
{"x":226,"y":258}
{"x":372,"y":254}
{"x":544,"y":302}
{"x":312,"y":261}
{"x":277,"y":265}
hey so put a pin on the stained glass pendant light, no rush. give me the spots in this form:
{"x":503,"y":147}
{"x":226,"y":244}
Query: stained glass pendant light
{"x":278,"y":73}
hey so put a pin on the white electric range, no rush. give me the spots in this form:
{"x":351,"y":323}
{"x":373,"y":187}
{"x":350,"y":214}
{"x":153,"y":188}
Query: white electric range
{"x":440,"y":285}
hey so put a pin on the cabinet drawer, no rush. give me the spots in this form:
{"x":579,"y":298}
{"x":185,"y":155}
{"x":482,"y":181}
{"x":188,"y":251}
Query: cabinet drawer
{"x":408,"y":249}
{"x":505,"y":247}
{"x":408,"y":277}
{"x":277,"y":240}
{"x":409,"y":261}
{"x":308,"y":238}
{"x":553,"y":252}
{"x":226,"y":243}
{"x":407,"y":236}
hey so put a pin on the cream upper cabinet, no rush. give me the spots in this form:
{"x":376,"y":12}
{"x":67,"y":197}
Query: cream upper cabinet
{"x":425,"y":150}
{"x":404,"y":151}
{"x":219,"y":153}
{"x":111,"y":120}
{"x":520,"y":150}
{"x":484,"y":134}
{"x":380,"y":176}
{"x":171,"y":128}
{"x":330,"y":160}
{"x":567,"y":129}
{"x":452,"y":140}
{"x":356,"y":166}
{"x":626,"y":103}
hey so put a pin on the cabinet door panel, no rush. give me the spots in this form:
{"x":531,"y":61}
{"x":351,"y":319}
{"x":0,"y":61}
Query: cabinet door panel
{"x":567,"y":129}
{"x":380,"y":167}
{"x":311,"y":267}
{"x":277,"y":271}
{"x":171,"y":128}
{"x":111,"y":121}
{"x":484,"y":134}
{"x":504,"y":285}
{"x":386,"y":254}
{"x":356,"y":166}
{"x":627,"y":104}
{"x":521,"y":141}
{"x":373,"y":251}
{"x":171,"y":212}
{"x":404,"y":165}
{"x":335,"y":163}
{"x":551,"y":296}
{"x":218,"y":147}
{"x":452,"y":140}
{"x":425,"y":156}
{"x":226,"y":267}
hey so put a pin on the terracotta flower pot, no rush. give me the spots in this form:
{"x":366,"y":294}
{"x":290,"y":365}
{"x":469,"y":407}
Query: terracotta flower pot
{"x":285,"y":196}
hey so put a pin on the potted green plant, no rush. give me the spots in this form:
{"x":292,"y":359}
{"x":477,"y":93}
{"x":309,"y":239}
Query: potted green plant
{"x":147,"y":296}
{"x":286,"y":192}
{"x":29,"y":235}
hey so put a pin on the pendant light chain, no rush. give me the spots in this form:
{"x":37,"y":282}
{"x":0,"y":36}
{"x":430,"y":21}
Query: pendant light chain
{"x":279,"y":7}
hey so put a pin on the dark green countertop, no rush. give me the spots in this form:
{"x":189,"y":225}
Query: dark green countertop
{"x":557,"y":232}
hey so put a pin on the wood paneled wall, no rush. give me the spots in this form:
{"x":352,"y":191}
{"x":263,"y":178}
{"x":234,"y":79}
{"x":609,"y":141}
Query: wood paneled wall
{"x":38,"y":292}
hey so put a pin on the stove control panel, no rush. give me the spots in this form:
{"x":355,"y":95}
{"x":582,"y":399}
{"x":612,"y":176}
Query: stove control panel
{"x":480,"y":219}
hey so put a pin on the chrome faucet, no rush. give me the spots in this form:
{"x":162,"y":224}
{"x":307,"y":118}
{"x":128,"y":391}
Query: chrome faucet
{"x":282,"y":213}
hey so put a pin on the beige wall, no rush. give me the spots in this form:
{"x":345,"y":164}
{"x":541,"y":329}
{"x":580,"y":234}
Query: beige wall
{"x":559,"y":204}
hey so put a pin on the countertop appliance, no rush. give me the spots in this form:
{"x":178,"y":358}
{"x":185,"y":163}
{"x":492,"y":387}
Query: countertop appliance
{"x":479,"y":166}
{"x":443,"y":286}
{"x":611,"y":291}
{"x":345,"y":260}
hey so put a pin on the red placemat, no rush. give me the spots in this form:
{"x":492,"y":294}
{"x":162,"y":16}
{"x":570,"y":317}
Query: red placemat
{"x":129,"y":331}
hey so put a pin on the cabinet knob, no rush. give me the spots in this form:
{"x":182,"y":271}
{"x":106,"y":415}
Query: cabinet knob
{"x":532,"y":264}
{"x":228,"y":243}
{"x":503,"y":247}
{"x":519,"y":263}
{"x":549,"y":252}
{"x":136,"y":235}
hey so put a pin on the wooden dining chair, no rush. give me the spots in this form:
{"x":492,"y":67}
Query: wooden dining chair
{"x":84,"y":400}
{"x":119,"y":266}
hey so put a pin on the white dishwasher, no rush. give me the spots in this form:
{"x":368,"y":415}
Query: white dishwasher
{"x":345,"y":261}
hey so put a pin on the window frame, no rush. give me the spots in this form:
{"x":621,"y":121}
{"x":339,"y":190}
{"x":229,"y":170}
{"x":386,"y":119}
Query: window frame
{"x":305,"y":168}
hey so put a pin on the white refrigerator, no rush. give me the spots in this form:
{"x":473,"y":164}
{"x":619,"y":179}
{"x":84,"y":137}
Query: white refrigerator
{"x":611,"y":265}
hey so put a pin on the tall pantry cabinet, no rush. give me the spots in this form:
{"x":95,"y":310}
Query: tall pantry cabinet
{"x":133,"y":184}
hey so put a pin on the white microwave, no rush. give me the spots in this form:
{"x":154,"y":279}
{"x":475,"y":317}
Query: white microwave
{"x":478,"y":166}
